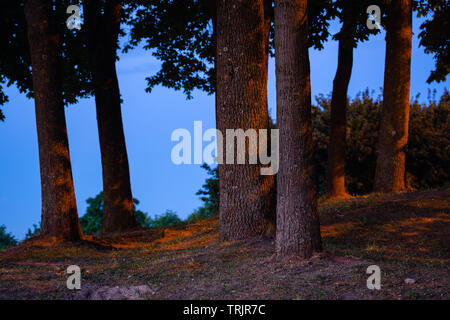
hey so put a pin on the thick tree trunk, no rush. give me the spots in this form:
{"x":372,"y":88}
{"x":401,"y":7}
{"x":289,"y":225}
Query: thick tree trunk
{"x":246,"y":201}
{"x":102,"y":32}
{"x":336,"y":147}
{"x":59,"y":208}
{"x":298,"y":231}
{"x":393,"y":134}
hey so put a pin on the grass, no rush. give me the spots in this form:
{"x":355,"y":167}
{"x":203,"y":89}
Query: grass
{"x":407,"y":235}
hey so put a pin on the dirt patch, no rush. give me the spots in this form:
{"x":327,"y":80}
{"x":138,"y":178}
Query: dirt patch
{"x":112,"y":293}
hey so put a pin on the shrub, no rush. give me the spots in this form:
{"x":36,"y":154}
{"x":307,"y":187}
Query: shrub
{"x":91,"y":221}
{"x":168,"y":219}
{"x":200,"y":213}
{"x":210,"y":190}
{"x":36,"y":230}
{"x":427,"y":155}
{"x":6,"y":239}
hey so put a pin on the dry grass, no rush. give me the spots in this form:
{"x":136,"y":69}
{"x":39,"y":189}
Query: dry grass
{"x":407,"y":235}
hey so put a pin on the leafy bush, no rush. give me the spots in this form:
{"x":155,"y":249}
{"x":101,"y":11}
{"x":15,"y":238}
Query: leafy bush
{"x":36,"y":230}
{"x":91,"y":221}
{"x":363,"y":118}
{"x":6,"y":239}
{"x":210,"y":190}
{"x":209,"y":195}
{"x":168,"y":219}
{"x":141,"y":217}
{"x":427,"y":154}
{"x":200,"y":213}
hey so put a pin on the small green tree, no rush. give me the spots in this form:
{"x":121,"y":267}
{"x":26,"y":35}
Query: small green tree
{"x":434,"y":35}
{"x":209,"y":195}
{"x":210,"y":190}
{"x":427,"y":156}
{"x":36,"y":230}
{"x":168,"y":219}
{"x":198,"y":214}
{"x":91,"y":222}
{"x":6,"y":239}
{"x":141,"y":217}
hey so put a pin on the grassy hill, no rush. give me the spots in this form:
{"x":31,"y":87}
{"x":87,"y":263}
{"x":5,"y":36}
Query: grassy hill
{"x":407,"y":235}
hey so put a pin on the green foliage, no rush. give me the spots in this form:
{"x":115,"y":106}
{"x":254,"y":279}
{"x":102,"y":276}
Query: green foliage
{"x":363,"y":117}
{"x":200,"y":213}
{"x":209,"y":195}
{"x":6,"y":239}
{"x":91,"y":221}
{"x":36,"y":230}
{"x":427,"y":155}
{"x":435,"y":35}
{"x":15,"y":60}
{"x":210,"y":190}
{"x":3,"y":99}
{"x":180,"y":35}
{"x":320,"y":12}
{"x":141,"y":217}
{"x":168,"y":219}
{"x":353,"y":16}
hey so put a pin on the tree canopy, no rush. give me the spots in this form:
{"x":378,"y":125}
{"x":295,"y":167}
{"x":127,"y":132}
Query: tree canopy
{"x":15,"y":62}
{"x":181,"y":35}
{"x":435,"y":36}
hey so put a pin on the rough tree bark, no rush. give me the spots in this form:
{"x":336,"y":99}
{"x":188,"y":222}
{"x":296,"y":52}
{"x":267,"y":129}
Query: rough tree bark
{"x":298,"y":231}
{"x":393,"y":134}
{"x":102,"y":33}
{"x":336,"y":147}
{"x":242,"y":37}
{"x":59,"y":209}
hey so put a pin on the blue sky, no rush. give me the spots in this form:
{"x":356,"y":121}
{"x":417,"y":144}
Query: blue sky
{"x":149,"y":120}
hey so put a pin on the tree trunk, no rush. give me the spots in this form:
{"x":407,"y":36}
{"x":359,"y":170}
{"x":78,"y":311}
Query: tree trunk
{"x":102,"y":32}
{"x":59,"y":208}
{"x":246,"y":202}
{"x":298,"y":231}
{"x":336,"y":147}
{"x":393,"y":134}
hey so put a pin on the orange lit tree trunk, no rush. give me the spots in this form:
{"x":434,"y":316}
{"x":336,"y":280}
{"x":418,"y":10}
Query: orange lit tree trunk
{"x":393,"y":134}
{"x":59,"y":208}
{"x":298,"y":231}
{"x":246,"y":201}
{"x":336,"y":147}
{"x":102,"y":30}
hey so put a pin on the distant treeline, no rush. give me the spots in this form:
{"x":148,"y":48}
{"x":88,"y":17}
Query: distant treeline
{"x":427,"y":155}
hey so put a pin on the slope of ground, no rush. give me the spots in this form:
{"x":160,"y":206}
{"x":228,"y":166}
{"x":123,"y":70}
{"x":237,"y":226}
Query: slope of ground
{"x":406,"y":235}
